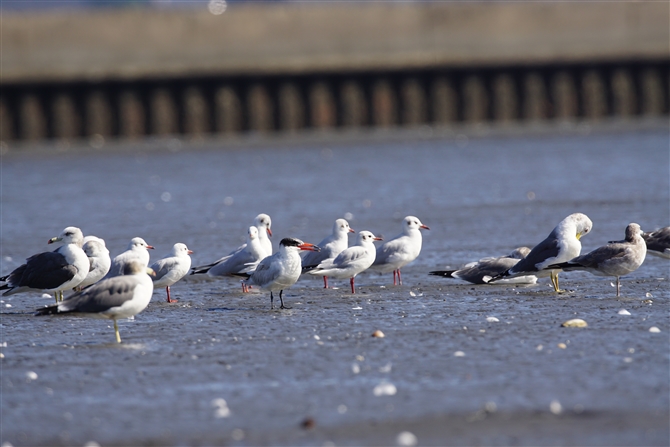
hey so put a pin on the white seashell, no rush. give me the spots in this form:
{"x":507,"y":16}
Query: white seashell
{"x":406,"y":439}
{"x":654,"y":329}
{"x":222,"y":410}
{"x":378,"y":334}
{"x":624,"y":312}
{"x":31,"y":375}
{"x":385,"y":389}
{"x":575,"y":322}
{"x":555,"y":407}
{"x":492,"y":319}
{"x":459,"y":354}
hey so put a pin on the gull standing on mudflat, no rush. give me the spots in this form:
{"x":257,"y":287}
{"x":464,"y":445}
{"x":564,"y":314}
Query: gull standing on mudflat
{"x":51,"y":271}
{"x":119,"y":297}
{"x":331,"y":246}
{"x":617,"y":258}
{"x":481,"y":272}
{"x":137,"y":249}
{"x":351,"y":261}
{"x":242,"y":260}
{"x":561,"y":245}
{"x":281,"y":270}
{"x":401,"y":250}
{"x":658,"y":242}
{"x":98,"y":258}
{"x":172,"y":268}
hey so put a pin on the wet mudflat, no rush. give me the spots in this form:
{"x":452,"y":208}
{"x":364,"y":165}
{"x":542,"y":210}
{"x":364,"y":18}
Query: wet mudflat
{"x":220,"y":367}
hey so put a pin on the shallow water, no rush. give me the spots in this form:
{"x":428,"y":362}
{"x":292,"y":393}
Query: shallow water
{"x":480,"y":196}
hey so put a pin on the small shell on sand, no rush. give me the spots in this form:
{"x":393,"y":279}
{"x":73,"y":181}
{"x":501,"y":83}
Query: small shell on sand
{"x":654,"y":329}
{"x":378,"y":334}
{"x":575,"y":322}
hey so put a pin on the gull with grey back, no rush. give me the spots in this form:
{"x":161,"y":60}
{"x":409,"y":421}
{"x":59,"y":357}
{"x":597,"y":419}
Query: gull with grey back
{"x":562,"y":245}
{"x":51,"y":271}
{"x":616,"y":259}
{"x":481,"y":272}
{"x":113,"y":298}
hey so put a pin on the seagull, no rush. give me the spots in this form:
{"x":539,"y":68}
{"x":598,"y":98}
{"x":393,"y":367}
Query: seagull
{"x":99,"y":260}
{"x":351,"y":261}
{"x":281,"y":270}
{"x":617,"y":258}
{"x":658,"y":242}
{"x":172,"y":268}
{"x":137,"y":249}
{"x":560,"y":246}
{"x":401,"y":250}
{"x":118,"y":297}
{"x":331,"y":246}
{"x":51,"y":271}
{"x":264,"y":223}
{"x":482,"y":271}
{"x":242,"y":260}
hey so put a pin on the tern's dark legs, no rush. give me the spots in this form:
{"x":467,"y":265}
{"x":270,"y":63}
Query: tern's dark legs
{"x":325,"y":282}
{"x":282,"y":301}
{"x":351,"y":281}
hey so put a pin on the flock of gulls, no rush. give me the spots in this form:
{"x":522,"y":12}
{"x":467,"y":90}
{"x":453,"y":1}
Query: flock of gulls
{"x":123,"y":286}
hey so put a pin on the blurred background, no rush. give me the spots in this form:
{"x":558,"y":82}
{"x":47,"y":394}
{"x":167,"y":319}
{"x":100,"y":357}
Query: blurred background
{"x":98,"y":70}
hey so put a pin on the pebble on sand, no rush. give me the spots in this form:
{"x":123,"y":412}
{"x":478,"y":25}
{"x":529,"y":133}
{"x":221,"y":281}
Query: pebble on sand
{"x":575,"y":322}
{"x":406,"y":439}
{"x":654,"y":329}
{"x":378,"y":334}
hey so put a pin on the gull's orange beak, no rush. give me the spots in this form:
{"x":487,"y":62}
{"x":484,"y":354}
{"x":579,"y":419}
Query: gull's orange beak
{"x":269,"y":232}
{"x":377,"y":238}
{"x":424,"y":227}
{"x":308,"y":246}
{"x":150,"y":247}
{"x":351,"y":230}
{"x":190,"y":252}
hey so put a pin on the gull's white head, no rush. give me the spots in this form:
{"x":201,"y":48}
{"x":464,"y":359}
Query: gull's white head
{"x":252,"y":233}
{"x":263,"y":222}
{"x":70,"y":235}
{"x":413,"y":223}
{"x":90,"y":237}
{"x":180,"y":249}
{"x":137,"y":243}
{"x":341,"y":226}
{"x":582,"y":224}
{"x":365,"y":237}
{"x":94,"y":246}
